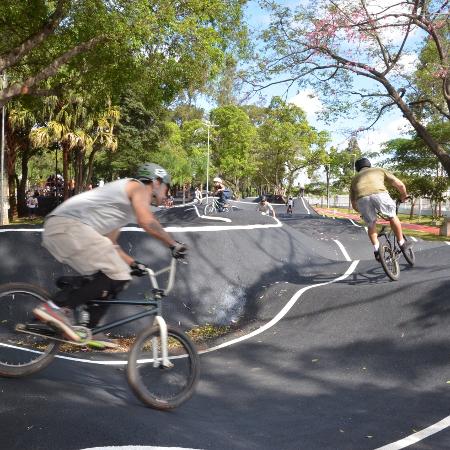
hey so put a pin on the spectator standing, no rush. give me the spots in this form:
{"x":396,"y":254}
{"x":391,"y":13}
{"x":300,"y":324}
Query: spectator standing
{"x":198,"y":196}
{"x":32,"y":204}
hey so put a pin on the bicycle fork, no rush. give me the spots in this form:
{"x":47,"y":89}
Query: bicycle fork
{"x":165,"y":362}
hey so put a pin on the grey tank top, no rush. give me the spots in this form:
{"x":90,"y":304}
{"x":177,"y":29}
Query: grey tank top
{"x":105,"y":208}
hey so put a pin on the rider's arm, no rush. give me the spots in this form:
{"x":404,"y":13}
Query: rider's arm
{"x":401,"y":188}
{"x":273,"y":211}
{"x":113,"y":237}
{"x":141,"y":198}
{"x":396,"y":183}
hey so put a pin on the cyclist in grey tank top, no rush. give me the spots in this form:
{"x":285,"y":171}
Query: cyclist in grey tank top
{"x":82,"y":232}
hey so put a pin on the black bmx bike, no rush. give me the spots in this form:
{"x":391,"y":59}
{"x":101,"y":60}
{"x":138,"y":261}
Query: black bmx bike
{"x":163,"y":364}
{"x":390,"y":251}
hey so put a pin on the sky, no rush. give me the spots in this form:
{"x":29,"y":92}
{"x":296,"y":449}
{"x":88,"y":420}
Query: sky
{"x":393,"y":125}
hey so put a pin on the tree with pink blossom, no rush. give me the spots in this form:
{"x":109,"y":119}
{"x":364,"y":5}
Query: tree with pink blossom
{"x":356,"y":54}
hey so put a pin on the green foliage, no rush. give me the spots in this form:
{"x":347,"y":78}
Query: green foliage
{"x":287,"y":143}
{"x":233,"y":138}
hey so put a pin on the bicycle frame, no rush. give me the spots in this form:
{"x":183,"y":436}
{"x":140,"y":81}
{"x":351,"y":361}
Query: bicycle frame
{"x":154,"y":311}
{"x":391,"y":240}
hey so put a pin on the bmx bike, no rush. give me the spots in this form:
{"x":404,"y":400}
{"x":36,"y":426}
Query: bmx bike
{"x":390,"y":251}
{"x":213,"y":207}
{"x":163,"y":364}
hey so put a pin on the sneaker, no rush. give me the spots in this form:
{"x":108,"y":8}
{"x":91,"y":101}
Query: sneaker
{"x":59,"y":318}
{"x":406,"y":246}
{"x":377,"y":255}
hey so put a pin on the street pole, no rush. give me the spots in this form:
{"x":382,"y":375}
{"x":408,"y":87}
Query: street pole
{"x":207,"y":167}
{"x":2,"y":163}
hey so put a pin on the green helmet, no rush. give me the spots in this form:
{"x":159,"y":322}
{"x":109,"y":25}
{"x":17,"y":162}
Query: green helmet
{"x":151,"y":171}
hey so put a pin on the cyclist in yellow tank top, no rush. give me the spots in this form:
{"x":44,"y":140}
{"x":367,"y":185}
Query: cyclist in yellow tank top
{"x":369,"y":196}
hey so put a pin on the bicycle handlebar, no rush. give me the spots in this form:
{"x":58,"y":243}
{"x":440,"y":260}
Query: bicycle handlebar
{"x":170,"y":282}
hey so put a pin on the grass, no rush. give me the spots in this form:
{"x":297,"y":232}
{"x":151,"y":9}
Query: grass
{"x":27,"y":221}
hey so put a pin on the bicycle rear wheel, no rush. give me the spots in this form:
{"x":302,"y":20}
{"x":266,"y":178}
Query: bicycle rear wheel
{"x":409,"y":255}
{"x":157,"y":386}
{"x":389,"y":262}
{"x":20,"y":353}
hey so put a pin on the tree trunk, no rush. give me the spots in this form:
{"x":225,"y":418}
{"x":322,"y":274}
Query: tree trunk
{"x":411,"y":212}
{"x":90,"y":167}
{"x":65,"y":149}
{"x":22,"y":185}
{"x":10,"y":163}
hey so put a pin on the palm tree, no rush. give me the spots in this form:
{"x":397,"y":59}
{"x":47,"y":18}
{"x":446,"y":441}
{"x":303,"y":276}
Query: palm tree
{"x":79,"y":133}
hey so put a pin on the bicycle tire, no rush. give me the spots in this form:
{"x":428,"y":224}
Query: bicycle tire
{"x":389,"y":262}
{"x":209,"y":209}
{"x":180,"y":381}
{"x":409,"y":255}
{"x":22,"y":354}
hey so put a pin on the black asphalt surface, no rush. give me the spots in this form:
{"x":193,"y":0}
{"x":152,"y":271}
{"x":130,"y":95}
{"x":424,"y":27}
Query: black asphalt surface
{"x":356,"y":364}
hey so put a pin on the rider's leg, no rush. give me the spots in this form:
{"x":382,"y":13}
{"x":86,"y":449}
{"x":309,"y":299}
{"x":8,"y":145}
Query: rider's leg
{"x":373,"y":234}
{"x":100,"y":287}
{"x":397,"y":229}
{"x":89,"y":253}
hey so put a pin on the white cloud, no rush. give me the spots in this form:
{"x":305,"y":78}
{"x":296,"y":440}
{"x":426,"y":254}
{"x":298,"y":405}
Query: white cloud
{"x":309,"y":102}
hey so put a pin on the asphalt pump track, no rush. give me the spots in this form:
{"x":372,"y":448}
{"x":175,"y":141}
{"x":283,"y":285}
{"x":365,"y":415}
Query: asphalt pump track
{"x":326,"y":352}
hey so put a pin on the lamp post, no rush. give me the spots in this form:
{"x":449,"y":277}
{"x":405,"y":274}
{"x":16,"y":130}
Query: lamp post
{"x":208,"y":126}
{"x":2,"y":163}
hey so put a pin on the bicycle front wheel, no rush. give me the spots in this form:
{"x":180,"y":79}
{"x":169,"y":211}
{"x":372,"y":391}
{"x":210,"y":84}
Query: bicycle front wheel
{"x":209,"y":209}
{"x":157,"y":386}
{"x":389,"y":262}
{"x":21,"y":353}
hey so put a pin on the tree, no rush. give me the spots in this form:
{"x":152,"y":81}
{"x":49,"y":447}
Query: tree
{"x":180,"y":44}
{"x":232,"y":142}
{"x":333,"y":43}
{"x":287,"y":144}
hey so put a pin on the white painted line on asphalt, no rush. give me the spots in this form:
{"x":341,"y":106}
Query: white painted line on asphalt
{"x":413,"y":238}
{"x":304,"y":204}
{"x":419,"y":436}
{"x":447,"y":242}
{"x":223,"y":219}
{"x":247,"y":203}
{"x":5,"y":230}
{"x":277,"y":224}
{"x":138,"y":447}
{"x":356,"y":225}
{"x":344,"y":252}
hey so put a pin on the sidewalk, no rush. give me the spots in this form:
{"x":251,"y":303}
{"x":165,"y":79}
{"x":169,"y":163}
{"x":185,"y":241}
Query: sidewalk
{"x":356,"y":217}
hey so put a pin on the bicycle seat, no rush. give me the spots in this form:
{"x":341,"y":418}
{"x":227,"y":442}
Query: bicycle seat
{"x":75,"y":281}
